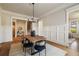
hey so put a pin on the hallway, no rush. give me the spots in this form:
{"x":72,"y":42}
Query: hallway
{"x":75,"y":47}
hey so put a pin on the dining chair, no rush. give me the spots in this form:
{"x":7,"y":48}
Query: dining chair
{"x":27,"y":44}
{"x":39,"y":46}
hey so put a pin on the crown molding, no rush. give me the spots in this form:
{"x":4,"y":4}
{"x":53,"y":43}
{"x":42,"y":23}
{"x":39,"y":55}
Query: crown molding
{"x":12,"y":13}
{"x":52,"y":11}
{"x":62,"y":7}
{"x":16,"y":14}
{"x":73,"y":8}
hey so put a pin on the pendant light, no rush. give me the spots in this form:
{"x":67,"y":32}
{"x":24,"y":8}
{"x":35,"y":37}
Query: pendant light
{"x":33,"y":19}
{"x":33,"y":10}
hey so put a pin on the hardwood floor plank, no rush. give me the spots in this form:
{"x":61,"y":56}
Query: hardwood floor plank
{"x":4,"y":49}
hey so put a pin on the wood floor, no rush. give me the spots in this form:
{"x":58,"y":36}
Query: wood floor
{"x":73,"y":50}
{"x":4,"y":48}
{"x":17,"y":39}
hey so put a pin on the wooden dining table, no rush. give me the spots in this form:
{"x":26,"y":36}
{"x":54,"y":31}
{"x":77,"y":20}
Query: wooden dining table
{"x":34,"y":39}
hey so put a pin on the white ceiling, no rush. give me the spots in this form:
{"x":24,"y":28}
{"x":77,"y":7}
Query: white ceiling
{"x":26,"y":8}
{"x":74,"y":15}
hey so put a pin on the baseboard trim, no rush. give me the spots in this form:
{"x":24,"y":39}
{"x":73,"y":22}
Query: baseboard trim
{"x":50,"y":42}
{"x":63,"y":47}
{"x":6,"y":42}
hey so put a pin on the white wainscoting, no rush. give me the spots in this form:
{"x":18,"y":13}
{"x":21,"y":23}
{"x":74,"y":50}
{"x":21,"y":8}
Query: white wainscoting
{"x":61,"y":34}
{"x":56,"y":33}
{"x":5,"y":31}
{"x":53,"y":33}
{"x":7,"y":34}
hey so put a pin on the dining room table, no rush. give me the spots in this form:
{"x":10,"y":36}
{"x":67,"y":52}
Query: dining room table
{"x":34,"y":39}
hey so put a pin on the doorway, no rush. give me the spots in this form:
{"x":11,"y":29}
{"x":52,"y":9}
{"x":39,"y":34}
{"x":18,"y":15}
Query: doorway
{"x":73,"y":28}
{"x":29,"y":27}
{"x":19,"y":29}
{"x":13,"y":27}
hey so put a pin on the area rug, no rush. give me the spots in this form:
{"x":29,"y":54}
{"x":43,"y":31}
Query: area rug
{"x":16,"y":50}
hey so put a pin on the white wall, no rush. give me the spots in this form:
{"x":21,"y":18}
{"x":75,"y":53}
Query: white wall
{"x":6,"y":27}
{"x":56,"y":18}
{"x":34,"y":27}
{"x":6,"y":24}
{"x":0,"y":31}
{"x":54,"y":27}
{"x":0,"y":27}
{"x":40,"y":27}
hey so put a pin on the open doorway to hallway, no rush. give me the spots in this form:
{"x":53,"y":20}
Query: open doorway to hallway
{"x":19,"y":28}
{"x":74,"y":30}
{"x":13,"y":28}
